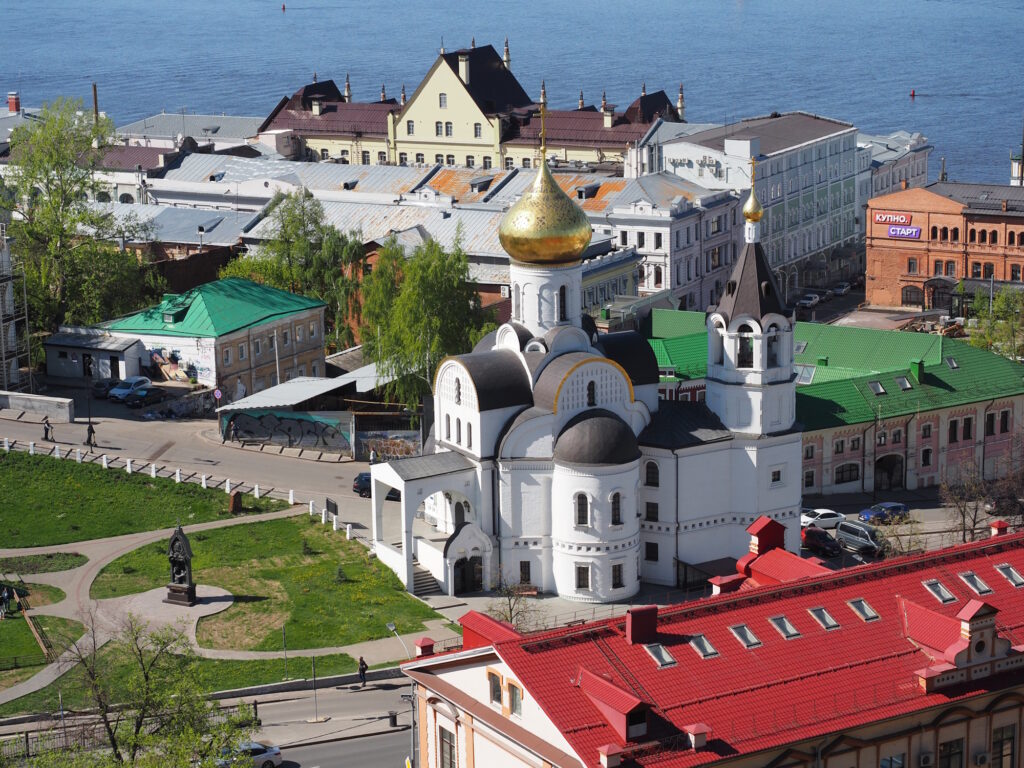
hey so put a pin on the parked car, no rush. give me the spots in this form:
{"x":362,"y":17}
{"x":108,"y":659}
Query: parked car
{"x":807,"y":302}
{"x":123,"y":389}
{"x":146,"y":396}
{"x":251,"y":753}
{"x":1004,"y":505}
{"x":361,"y":485}
{"x":841,"y":289}
{"x":825,"y":294}
{"x":819,"y":541}
{"x":822,"y":518}
{"x":101,"y":387}
{"x":861,"y":538}
{"x":885,"y":512}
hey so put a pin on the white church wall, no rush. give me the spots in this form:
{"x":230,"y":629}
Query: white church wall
{"x":611,"y":391}
{"x":533,"y":439}
{"x":706,"y":504}
{"x":648,"y":395}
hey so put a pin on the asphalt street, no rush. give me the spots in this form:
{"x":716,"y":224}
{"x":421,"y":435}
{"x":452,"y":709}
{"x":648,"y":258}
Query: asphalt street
{"x":386,"y":751}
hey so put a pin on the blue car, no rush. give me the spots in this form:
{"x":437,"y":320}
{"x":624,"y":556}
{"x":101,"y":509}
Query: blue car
{"x":885,"y":512}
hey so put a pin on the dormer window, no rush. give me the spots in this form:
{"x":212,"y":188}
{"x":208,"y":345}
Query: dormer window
{"x":703,"y":646}
{"x":939,"y":591}
{"x":785,"y":627}
{"x":745,"y":635}
{"x":975,"y":582}
{"x":636,"y":723}
{"x":1010,"y":574}
{"x":824,"y":618}
{"x":861,"y":608}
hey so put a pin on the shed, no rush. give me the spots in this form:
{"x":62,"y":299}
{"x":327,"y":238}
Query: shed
{"x":85,"y":354}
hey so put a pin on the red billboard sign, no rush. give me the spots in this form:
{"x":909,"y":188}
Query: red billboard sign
{"x":893,"y":217}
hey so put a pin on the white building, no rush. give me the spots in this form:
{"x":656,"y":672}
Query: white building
{"x":888,"y":164}
{"x":556,"y":466}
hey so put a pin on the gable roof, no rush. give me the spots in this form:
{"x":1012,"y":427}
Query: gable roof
{"x":215,"y":309}
{"x":491,"y":85}
{"x":338,"y":115}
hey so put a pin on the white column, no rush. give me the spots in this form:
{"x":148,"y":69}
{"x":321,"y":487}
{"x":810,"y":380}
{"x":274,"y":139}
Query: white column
{"x":128,"y":466}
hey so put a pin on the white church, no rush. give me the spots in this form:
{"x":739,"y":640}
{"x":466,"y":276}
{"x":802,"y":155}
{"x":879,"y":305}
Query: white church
{"x":554,"y":464}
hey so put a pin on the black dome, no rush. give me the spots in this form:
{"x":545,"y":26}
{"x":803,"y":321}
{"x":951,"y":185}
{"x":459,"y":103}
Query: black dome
{"x":596,"y":436}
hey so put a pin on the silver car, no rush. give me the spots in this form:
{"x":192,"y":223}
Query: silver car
{"x":252,"y":754}
{"x":127,"y":387}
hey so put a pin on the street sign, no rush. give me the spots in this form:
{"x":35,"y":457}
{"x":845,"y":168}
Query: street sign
{"x":217,"y":394}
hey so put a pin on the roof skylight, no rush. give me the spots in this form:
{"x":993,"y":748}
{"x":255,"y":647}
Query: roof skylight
{"x":824,"y":618}
{"x":661,"y":655}
{"x":785,"y":627}
{"x":804,"y":373}
{"x":703,"y":646}
{"x":904,"y":383}
{"x":939,"y":591}
{"x":745,"y":635}
{"x":975,"y":582}
{"x":861,"y":608}
{"x":876,"y":387}
{"x":1010,"y":574}
{"x":951,"y":362}
{"x":799,"y":347}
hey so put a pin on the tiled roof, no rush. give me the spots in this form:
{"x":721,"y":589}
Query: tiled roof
{"x":215,"y":309}
{"x":982,"y":198}
{"x":782,"y":690}
{"x":927,"y":627}
{"x":121,"y":158}
{"x":669,"y":323}
{"x":578,"y":127}
{"x":337,"y":116}
{"x":779,"y":566}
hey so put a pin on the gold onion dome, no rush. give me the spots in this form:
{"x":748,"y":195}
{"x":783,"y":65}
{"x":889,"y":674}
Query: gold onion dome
{"x":752,"y":210}
{"x":545,"y":226}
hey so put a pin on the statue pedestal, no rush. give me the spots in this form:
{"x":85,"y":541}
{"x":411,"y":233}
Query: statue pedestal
{"x":181,"y":594}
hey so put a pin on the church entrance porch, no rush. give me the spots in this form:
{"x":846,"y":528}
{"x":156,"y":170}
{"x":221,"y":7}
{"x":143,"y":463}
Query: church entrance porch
{"x":889,"y":472}
{"x":468,"y":575}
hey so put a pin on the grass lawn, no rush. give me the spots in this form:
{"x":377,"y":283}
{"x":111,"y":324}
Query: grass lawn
{"x":16,"y":639}
{"x":283,"y":573}
{"x":49,"y":563}
{"x":43,"y":594}
{"x":216,"y":675}
{"x":95,"y":503}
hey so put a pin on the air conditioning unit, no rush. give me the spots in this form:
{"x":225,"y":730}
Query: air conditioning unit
{"x":505,"y":292}
{"x":981,"y":758}
{"x":926,"y":760}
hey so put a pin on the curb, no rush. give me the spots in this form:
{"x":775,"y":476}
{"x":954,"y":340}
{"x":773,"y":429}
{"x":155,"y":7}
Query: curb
{"x":211,"y":437}
{"x":334,"y":739}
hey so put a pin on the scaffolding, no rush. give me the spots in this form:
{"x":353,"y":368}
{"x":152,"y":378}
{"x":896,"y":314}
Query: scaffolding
{"x":15,"y":363}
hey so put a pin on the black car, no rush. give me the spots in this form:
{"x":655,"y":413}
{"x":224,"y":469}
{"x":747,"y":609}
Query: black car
{"x":361,"y":485}
{"x":101,"y":388}
{"x":820,"y":542}
{"x":145,"y":396}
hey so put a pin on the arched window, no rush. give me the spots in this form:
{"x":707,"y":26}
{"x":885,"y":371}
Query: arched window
{"x":447,"y":427}
{"x":469,"y":435}
{"x":913,"y":296}
{"x":591,"y":394}
{"x":458,"y":431}
{"x":972,"y":237}
{"x":582,"y":510}
{"x":517,"y":309}
{"x":458,"y":391}
{"x":745,"y":347}
{"x":561,"y":303}
{"x":945,"y":234}
{"x":773,"y":346}
{"x":950,"y":269}
{"x":717,"y":341}
{"x":442,"y":100}
{"x":657,"y":277}
{"x":847,"y":473}
{"x":935,"y":233}
{"x":956,"y":234}
{"x":652,"y":477}
{"x":1010,"y":240}
{"x":982,"y":236}
{"x":616,"y":509}
{"x":126,"y":198}
{"x":993,"y":237}
{"x":102,"y":197}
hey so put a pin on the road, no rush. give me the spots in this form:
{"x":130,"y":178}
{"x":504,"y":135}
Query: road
{"x":387,"y":751}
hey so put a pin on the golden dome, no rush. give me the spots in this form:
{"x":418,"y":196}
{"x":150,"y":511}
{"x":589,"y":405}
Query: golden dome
{"x":752,"y":210}
{"x":545,"y":226}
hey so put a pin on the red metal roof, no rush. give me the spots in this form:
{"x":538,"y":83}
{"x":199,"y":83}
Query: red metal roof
{"x":778,"y":566}
{"x":579,"y":127}
{"x":782,"y":690}
{"x":606,"y":692}
{"x":479,"y":629}
{"x":927,"y":627}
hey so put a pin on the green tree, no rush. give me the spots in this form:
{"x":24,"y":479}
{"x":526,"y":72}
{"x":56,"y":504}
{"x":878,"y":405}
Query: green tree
{"x":58,"y":234}
{"x":417,"y":311}
{"x":999,"y":327}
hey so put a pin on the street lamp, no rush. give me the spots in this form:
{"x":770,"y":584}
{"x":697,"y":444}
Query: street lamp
{"x":391,"y":628}
{"x":411,"y":698}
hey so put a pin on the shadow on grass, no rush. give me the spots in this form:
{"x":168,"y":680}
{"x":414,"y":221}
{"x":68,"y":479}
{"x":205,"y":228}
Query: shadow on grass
{"x":232,"y":599}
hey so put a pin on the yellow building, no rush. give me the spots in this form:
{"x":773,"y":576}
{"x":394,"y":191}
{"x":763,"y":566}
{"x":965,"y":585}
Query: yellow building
{"x":468,"y":111}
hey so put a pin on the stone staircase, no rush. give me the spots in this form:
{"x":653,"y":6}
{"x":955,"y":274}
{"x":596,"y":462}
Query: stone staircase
{"x":424,"y":585}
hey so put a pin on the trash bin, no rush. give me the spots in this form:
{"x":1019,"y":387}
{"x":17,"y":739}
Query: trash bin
{"x":392,"y":719}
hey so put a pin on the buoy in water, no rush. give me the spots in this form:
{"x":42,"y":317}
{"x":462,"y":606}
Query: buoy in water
{"x":913,"y":93}
{"x":282,"y":7}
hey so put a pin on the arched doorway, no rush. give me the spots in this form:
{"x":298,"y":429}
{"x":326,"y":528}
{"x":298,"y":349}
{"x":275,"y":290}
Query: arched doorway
{"x":468,"y":575}
{"x":889,"y":472}
{"x":459,"y":514}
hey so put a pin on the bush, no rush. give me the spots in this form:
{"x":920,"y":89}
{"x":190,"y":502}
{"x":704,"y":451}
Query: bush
{"x":339,"y":575}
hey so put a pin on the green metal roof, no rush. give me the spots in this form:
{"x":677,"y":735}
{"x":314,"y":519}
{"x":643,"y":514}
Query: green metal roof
{"x":215,"y":309}
{"x":670,"y":323}
{"x":864,"y":349}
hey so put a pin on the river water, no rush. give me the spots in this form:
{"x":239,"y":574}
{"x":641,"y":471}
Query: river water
{"x":855,"y":60}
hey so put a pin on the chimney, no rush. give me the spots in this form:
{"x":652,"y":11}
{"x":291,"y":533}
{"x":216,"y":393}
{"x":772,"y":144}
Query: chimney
{"x":13,"y":102}
{"x":998,"y":528}
{"x":424,"y":647}
{"x":506,"y":57}
{"x":383,"y":93}
{"x":765,"y":535}
{"x":610,"y":755}
{"x":316,"y":106}
{"x":348,"y":88}
{"x":681,"y":105}
{"x":917,"y":370}
{"x":581,"y":100}
{"x":698,"y":733}
{"x":1004,"y":206}
{"x":464,"y":67}
{"x":403,"y":94}
{"x":608,"y":110}
{"x":642,"y":624}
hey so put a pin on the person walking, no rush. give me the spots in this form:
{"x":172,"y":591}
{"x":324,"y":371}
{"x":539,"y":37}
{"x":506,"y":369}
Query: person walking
{"x":47,"y":429}
{"x":363,"y":666}
{"x":90,"y":435}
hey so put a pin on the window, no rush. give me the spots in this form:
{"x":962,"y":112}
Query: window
{"x":312,"y":330}
{"x":968,"y":428}
{"x":62,"y":354}
{"x":1004,"y":422}
{"x":469,"y":435}
{"x":745,"y":347}
{"x":494,"y":683}
{"x":641,"y":239}
{"x":616,"y":509}
{"x":954,"y":431}
{"x":298,"y":334}
{"x":478,"y":130}
{"x":652,"y":479}
{"x":785,"y":627}
{"x":848,"y":473}
{"x":458,"y":431}
{"x":809,"y":478}
{"x":447,"y":427}
{"x":1015,"y":271}
{"x":420,"y":158}
{"x":447,"y":757}
{"x":876,"y":387}
{"x":470,"y":161}
{"x":911,"y":266}
{"x":897,"y":436}
{"x":651,"y":551}
{"x":316,"y":369}
{"x":227,"y":355}
{"x":403,"y":158}
{"x":442,"y":100}
{"x":526,"y":162}
{"x":975,"y":582}
{"x":838,"y":446}
{"x":1010,"y":574}
{"x":903,"y":383}
{"x":591,"y":394}
{"x":938,"y":269}
{"x":926,"y":431}
{"x":439,"y":128}
{"x":950,"y":269}
{"x":661,"y":655}
{"x":808,"y":451}
{"x":410,"y":128}
{"x":487,"y":162}
{"x":657,"y":240}
{"x":744,"y":634}
{"x":617,"y":582}
{"x":951,"y":754}
{"x":651,"y":512}
{"x":703,"y":646}
{"x":582,"y":577}
{"x":893,"y":761}
{"x":448,"y":129}
{"x":439,"y":159}
{"x":926,"y":457}
{"x":854,"y":443}
{"x":861,"y":608}
{"x":939,"y":591}
{"x":241,"y":351}
{"x":324,"y":154}
{"x":271,"y":340}
{"x":1002,"y":747}
{"x":582,"y":509}
{"x":990,"y":424}
{"x":366,"y":158}
{"x":510,"y":163}
{"x":515,"y":700}
{"x":989,"y":270}
{"x":976,"y":269}
{"x":776,"y":476}
{"x":449,"y":159}
{"x":824,"y":618}
{"x":382,"y":158}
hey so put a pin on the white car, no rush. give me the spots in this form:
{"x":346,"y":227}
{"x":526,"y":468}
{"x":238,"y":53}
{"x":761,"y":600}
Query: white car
{"x":812,"y":299}
{"x":127,"y":387}
{"x":252,"y":753}
{"x":841,"y":289}
{"x":822,"y":518}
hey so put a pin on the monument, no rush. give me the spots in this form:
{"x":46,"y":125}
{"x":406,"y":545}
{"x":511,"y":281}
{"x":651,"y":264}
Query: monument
{"x":181,"y":590}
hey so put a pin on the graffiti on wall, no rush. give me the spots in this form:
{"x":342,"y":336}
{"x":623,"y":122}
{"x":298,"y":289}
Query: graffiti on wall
{"x":295,"y":429}
{"x":388,"y":444}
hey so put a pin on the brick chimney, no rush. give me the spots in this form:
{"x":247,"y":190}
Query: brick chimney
{"x":316,"y":106}
{"x":13,"y":102}
{"x":464,"y":67}
{"x":765,"y":535}
{"x":642,"y":624}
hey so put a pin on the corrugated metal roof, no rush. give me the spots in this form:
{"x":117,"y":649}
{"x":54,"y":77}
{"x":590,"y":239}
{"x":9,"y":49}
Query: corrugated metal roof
{"x":169,"y":224}
{"x":101,"y":341}
{"x":777,"y":133}
{"x":286,"y":395}
{"x":214,"y":127}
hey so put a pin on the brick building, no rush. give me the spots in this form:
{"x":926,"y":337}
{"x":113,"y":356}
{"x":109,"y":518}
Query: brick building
{"x":924,"y":244}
